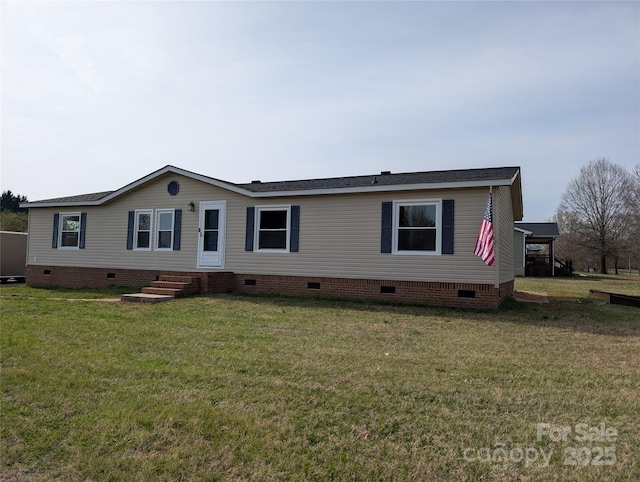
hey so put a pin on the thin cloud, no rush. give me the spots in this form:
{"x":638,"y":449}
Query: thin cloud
{"x":275,"y":90}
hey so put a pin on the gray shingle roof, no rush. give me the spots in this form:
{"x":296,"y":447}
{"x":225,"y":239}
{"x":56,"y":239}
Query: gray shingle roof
{"x":429,"y":177}
{"x":312,"y":186}
{"x":96,"y":196}
{"x":540,"y":230}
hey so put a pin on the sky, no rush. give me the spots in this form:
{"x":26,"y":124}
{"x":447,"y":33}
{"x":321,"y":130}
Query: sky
{"x":96,"y":95}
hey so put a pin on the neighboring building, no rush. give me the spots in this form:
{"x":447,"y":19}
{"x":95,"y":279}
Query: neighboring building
{"x":404,"y":237}
{"x":534,"y":249}
{"x":520,"y":250}
{"x":13,"y":261}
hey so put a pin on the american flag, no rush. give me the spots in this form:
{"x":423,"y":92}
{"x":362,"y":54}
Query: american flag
{"x":484,"y":243}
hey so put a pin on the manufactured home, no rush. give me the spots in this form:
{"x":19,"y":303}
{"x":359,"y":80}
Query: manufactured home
{"x":406,"y":237}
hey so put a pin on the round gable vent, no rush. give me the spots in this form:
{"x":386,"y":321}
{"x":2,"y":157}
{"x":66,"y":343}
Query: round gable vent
{"x":173,"y":187}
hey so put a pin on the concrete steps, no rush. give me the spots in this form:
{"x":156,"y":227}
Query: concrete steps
{"x":144,"y":298}
{"x":173,"y":292}
{"x":166,"y":288}
{"x":179,"y":285}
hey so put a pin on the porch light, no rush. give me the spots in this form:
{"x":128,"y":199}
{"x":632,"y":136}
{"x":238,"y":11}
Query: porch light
{"x":192,"y":206}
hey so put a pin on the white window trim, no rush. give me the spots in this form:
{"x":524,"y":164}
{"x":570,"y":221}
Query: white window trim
{"x":256,"y":230}
{"x":61,"y":223}
{"x":157,"y":229}
{"x":136,"y":226}
{"x":396,"y":225}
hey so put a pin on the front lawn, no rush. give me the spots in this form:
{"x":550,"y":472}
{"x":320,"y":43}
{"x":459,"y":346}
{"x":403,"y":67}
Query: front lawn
{"x":269,"y":388}
{"x":579,"y":285}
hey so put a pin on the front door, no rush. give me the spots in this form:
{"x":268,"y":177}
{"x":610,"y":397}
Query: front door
{"x":211,"y":234}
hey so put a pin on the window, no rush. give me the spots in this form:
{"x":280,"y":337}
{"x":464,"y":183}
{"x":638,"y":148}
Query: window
{"x":417,"y":226}
{"x":211,"y":229}
{"x":164,"y":229}
{"x":142,"y":234}
{"x":168,"y":230}
{"x":272,"y":228}
{"x":69,"y":230}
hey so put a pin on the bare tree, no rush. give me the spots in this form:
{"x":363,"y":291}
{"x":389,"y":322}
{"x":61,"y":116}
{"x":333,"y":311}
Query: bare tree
{"x":598,"y":199}
{"x":633,"y":237}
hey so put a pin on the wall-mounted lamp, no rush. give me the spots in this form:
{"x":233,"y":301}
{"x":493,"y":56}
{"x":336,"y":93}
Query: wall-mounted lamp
{"x":192,"y":206}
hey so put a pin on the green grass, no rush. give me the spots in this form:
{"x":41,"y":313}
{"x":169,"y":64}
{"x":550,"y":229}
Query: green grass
{"x":578,"y":286}
{"x":268,"y":388}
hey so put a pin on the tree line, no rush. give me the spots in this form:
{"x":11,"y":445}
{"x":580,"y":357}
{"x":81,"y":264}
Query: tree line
{"x":599,"y":217}
{"x":12,"y":216}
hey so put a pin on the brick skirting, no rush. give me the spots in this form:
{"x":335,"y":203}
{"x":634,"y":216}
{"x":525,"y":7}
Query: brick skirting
{"x":464,"y":295}
{"x":77,"y":277}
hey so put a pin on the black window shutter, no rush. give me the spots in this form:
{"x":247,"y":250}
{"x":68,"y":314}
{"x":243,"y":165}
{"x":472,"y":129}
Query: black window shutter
{"x":447,"y":225}
{"x":177,"y":229}
{"x":56,"y":224}
{"x":387,"y":227}
{"x":132,"y":215}
{"x":83,"y":229}
{"x":251,"y":217}
{"x":295,"y":229}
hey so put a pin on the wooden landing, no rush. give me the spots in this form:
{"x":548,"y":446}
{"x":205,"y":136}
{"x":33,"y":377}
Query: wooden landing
{"x":616,"y":298}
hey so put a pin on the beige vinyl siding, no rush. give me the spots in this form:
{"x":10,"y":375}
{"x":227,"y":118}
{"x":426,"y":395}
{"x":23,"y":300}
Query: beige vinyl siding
{"x":106,"y":233}
{"x":503,"y":211}
{"x":339,"y":235}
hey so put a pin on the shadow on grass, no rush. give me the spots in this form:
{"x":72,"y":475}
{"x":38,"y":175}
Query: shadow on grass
{"x":570,"y":313}
{"x":45,"y":292}
{"x":577,"y":314}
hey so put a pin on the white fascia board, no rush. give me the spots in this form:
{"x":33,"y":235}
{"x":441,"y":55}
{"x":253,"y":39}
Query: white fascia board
{"x":375,"y":188}
{"x":58,"y":204}
{"x":523,"y":231}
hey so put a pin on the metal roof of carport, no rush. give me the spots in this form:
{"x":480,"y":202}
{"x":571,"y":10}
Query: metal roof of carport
{"x":540,"y":230}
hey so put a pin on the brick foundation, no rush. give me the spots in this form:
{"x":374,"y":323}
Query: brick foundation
{"x":462,"y":295}
{"x":75,"y":277}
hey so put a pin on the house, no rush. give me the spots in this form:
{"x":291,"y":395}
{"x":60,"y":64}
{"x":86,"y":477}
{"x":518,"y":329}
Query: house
{"x":406,"y":237}
{"x":534,"y":249}
{"x":519,"y":250}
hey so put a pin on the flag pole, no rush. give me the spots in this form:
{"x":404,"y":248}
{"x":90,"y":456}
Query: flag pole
{"x":496,"y":249}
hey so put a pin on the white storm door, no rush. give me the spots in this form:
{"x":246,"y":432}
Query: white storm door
{"x":211,"y":234}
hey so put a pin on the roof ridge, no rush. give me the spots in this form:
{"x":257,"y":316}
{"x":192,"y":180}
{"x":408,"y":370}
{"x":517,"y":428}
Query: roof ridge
{"x":385,"y":180}
{"x":382,"y":173}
